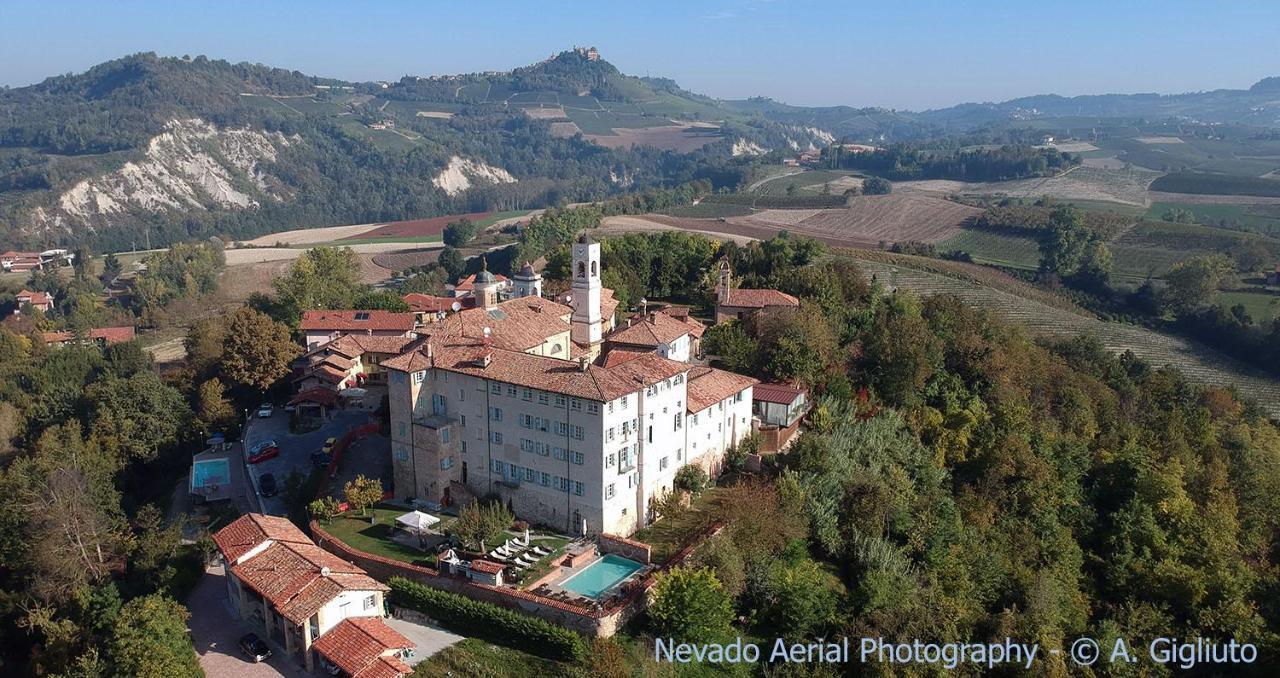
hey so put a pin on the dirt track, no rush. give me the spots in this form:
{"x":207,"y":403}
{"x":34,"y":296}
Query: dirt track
{"x":308,"y":236}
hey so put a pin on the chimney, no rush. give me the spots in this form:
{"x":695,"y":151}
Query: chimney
{"x":583,"y":363}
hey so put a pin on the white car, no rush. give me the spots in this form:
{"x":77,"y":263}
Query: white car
{"x":265,"y":410}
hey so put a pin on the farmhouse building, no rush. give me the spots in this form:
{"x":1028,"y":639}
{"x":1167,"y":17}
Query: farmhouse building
{"x":740,"y":303}
{"x":512,"y":399}
{"x":103,"y":336}
{"x":299,"y":594}
{"x":40,"y":301}
{"x":779,"y":409}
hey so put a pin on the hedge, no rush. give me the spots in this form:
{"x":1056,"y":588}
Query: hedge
{"x":484,"y":620}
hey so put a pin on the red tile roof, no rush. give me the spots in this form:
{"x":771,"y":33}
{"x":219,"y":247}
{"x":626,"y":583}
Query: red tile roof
{"x":426,"y":303}
{"x":469,"y":283}
{"x":748,"y":298}
{"x":322,"y":396}
{"x":487,"y":567}
{"x":357,"y":321}
{"x":652,"y":329}
{"x":515,"y":324}
{"x":34,"y":298}
{"x":248,"y":531}
{"x":300,"y":578}
{"x":776,"y":393}
{"x":360,"y":646}
{"x":621,"y":354}
{"x":708,"y":386}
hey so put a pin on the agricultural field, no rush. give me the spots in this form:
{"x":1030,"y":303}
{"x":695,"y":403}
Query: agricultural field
{"x":1256,"y":218}
{"x":1094,"y":184}
{"x":998,"y":249}
{"x":1261,"y":305}
{"x":679,"y":138}
{"x":425,"y":230}
{"x":1199,"y":363}
{"x":808,"y":183}
{"x":1216,"y":184}
{"x":709,"y":210}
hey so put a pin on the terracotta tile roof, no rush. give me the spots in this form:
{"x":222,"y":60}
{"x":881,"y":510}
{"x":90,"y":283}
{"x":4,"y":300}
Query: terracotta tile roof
{"x":487,"y":567}
{"x":248,"y":531}
{"x":426,"y":303}
{"x":34,"y":298}
{"x":322,"y":396}
{"x":357,"y":321}
{"x":360,"y":646}
{"x":652,"y":329}
{"x":469,"y":283}
{"x":708,"y":386}
{"x":776,"y":393}
{"x":621,"y":354}
{"x":300,"y":578}
{"x":749,"y":298}
{"x":515,"y":324}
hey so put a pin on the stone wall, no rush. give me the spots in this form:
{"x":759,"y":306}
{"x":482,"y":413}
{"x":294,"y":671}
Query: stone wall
{"x":627,"y":548}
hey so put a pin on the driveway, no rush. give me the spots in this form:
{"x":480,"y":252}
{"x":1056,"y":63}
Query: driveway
{"x":216,"y":632}
{"x":295,"y":449}
{"x":428,"y":639}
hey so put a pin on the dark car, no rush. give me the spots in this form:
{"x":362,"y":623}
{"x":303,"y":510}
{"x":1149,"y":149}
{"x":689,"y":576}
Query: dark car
{"x":254,"y":647}
{"x":320,"y":459}
{"x":267,"y":483}
{"x":263,"y":451}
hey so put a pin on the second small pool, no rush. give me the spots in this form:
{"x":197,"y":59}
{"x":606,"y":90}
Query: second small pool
{"x":601,"y":576}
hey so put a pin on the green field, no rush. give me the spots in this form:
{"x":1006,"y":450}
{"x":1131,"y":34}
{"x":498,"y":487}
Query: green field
{"x":1216,"y":184}
{"x":598,"y":122}
{"x":1262,"y":306}
{"x":1264,"y":219}
{"x":998,"y":249}
{"x":807,"y":183}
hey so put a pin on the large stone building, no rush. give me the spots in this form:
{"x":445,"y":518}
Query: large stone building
{"x":739,"y":303}
{"x":511,"y":398}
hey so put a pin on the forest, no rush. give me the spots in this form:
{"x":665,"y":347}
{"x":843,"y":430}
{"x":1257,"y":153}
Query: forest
{"x":904,"y":162}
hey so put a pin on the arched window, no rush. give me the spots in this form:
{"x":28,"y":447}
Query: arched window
{"x":555,"y":348}
{"x":582,"y":270}
{"x":593,"y":269}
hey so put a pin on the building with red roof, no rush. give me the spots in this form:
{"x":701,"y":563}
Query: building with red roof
{"x":739,"y":303}
{"x":365,"y":647}
{"x":320,"y":327}
{"x":280,"y":580}
{"x":40,"y":301}
{"x":103,"y":336}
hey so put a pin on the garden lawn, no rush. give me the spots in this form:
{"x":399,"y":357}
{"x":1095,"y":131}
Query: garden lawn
{"x":474,"y":658}
{"x":356,"y":531}
{"x":669,"y":533}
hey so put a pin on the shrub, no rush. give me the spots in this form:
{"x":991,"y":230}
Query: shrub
{"x":691,"y":478}
{"x":484,"y":620}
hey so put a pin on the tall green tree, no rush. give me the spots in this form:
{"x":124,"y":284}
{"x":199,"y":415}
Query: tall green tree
{"x":690,"y":605}
{"x":322,"y":278}
{"x":150,"y":640}
{"x":256,"y":350}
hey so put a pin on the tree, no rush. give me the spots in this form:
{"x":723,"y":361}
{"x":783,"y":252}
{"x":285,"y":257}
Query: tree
{"x":111,"y":266}
{"x":608,"y":659}
{"x":150,"y":640}
{"x":213,"y":409}
{"x":322,"y":278}
{"x":256,"y":350}
{"x":690,"y":605}
{"x":876,"y":186}
{"x":362,"y":493}
{"x":1194,"y":282}
{"x":324,"y":509}
{"x":458,"y":233}
{"x":735,"y":348}
{"x":691,"y":478}
{"x":451,"y":261}
{"x":139,"y":416}
{"x":482,"y":523}
{"x":796,"y":598}
{"x":1068,"y":243}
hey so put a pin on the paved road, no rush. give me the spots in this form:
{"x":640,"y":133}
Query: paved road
{"x":295,"y":450}
{"x":427,"y":639}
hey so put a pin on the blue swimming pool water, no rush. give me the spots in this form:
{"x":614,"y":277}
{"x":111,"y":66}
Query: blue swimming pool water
{"x":601,"y":576}
{"x":210,"y":472}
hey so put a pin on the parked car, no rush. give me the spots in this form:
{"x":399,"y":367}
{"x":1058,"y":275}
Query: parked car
{"x":328,"y":446}
{"x":263,"y":451}
{"x":267,"y":484}
{"x":320,"y":459}
{"x":266,"y":410}
{"x":290,"y":407}
{"x":254,"y":647}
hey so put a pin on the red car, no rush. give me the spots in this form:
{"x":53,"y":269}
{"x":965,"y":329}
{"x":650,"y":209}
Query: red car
{"x":263,"y":451}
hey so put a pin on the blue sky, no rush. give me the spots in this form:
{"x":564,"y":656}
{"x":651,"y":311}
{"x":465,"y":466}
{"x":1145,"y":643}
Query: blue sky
{"x":899,"y":54}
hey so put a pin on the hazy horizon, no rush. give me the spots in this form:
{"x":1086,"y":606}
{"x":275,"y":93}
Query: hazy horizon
{"x":910,"y":57}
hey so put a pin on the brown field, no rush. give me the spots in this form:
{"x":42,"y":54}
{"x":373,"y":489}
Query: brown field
{"x":620,"y":225}
{"x":1160,"y":140}
{"x":679,"y":138}
{"x":399,"y":261}
{"x":548,"y":113}
{"x":307,"y":236}
{"x":1074,"y":147}
{"x":1203,"y":199}
{"x":441,"y":115}
{"x":417,"y":228}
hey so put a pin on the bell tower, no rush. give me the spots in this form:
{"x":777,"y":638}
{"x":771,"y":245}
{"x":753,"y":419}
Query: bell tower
{"x":585,"y":321}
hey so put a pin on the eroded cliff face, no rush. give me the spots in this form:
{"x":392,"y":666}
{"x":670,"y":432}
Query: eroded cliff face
{"x":463,"y":173}
{"x":192,"y":165}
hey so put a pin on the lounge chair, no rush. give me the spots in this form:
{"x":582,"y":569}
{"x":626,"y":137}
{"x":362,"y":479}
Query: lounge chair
{"x":522,"y":559}
{"x":541,"y":551}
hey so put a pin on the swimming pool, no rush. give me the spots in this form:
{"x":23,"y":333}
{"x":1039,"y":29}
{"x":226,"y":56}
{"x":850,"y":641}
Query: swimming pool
{"x":209,"y":473}
{"x":601,"y":576}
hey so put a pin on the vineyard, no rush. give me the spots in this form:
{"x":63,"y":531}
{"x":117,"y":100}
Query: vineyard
{"x":1059,"y":319}
{"x":1216,"y":184}
{"x":985,"y":247}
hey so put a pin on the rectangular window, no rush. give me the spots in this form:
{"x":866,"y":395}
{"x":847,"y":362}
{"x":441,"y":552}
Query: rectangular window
{"x":463,"y":421}
{"x":575,"y":404}
{"x":526,"y":394}
{"x":530,"y":474}
{"x":593,"y":408}
{"x":560,"y":453}
{"x":526,"y":445}
{"x":495,"y":388}
{"x":578,"y":432}
{"x":418,"y":377}
{"x":402,"y":454}
{"x":624,"y":402}
{"x":511,"y":391}
{"x":444,"y":435}
{"x":462,"y":395}
{"x":610,"y":407}
{"x":608,"y":435}
{"x":544,"y":449}
{"x":649,"y":437}
{"x":608,"y":461}
{"x":495,"y":413}
{"x":578,"y":458}
{"x":662,"y":464}
{"x":464,"y":447}
{"x":578,"y":488}
{"x":608,"y":491}
{"x":446,"y":463}
{"x":403,"y":429}
{"x":495,"y":437}
{"x":678,"y":422}
{"x":543,"y":398}
{"x":560,"y":401}
{"x":370,"y":601}
{"x":544,"y":479}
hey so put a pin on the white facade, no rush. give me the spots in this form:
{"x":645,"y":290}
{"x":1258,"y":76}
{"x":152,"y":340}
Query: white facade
{"x":586,"y":321}
{"x":677,"y":349}
{"x":572,"y":464}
